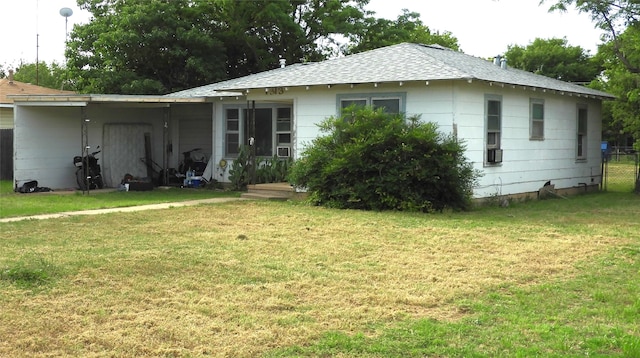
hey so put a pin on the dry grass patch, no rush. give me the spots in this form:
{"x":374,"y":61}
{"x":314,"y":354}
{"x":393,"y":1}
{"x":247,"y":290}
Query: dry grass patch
{"x":242,"y":278}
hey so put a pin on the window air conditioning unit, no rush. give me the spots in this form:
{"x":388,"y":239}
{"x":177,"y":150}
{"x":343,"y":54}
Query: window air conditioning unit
{"x":494,"y":156}
{"x":283,"y":152}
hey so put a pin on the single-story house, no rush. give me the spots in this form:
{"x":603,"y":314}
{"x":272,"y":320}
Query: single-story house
{"x":520,"y":129}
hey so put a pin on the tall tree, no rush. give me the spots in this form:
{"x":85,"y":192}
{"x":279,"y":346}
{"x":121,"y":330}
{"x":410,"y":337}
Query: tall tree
{"x":42,"y":74}
{"x":159,"y":46}
{"x":612,"y":16}
{"x":138,"y":46}
{"x":620,"y":21}
{"x":555,"y":58}
{"x":408,"y":27}
{"x":624,"y":112}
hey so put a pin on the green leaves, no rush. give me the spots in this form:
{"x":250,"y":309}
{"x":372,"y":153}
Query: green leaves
{"x":50,"y":76}
{"x":379,"y":32}
{"x":556,"y":59}
{"x":160,"y":46}
{"x":376,"y":161}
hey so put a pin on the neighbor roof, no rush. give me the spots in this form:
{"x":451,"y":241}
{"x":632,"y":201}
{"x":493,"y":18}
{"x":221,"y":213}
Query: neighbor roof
{"x":402,"y":62}
{"x":9,"y":87}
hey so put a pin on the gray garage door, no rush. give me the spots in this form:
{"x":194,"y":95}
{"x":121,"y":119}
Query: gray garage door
{"x":123,"y":147}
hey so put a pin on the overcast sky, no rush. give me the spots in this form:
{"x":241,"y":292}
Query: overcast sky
{"x":484,"y":28}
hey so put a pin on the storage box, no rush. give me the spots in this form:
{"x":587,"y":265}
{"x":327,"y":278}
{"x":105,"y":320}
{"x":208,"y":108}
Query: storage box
{"x":195,"y":182}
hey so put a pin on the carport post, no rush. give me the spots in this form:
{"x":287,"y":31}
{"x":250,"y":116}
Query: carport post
{"x":165,"y":135}
{"x":85,"y":149}
{"x":252,"y":142}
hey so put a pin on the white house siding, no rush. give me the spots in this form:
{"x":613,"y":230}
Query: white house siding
{"x":528,"y":164}
{"x":48,"y":137}
{"x":45,"y":141}
{"x":458,"y":107}
{"x":192,"y":126}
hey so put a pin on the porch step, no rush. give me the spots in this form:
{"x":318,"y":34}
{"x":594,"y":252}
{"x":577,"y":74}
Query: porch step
{"x":270,"y":191}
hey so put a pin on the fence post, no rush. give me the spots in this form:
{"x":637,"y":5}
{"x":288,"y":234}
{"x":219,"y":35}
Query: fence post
{"x":637,"y":173}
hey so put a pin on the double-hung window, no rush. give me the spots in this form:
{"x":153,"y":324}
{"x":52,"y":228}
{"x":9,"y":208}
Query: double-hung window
{"x":536,"y":110}
{"x":493,"y":128}
{"x":232,"y":135}
{"x":581,"y":133}
{"x":283,"y":132}
{"x":270,"y":131}
{"x":390,"y":102}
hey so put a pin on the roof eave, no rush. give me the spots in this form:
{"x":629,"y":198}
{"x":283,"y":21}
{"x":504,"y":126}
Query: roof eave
{"x":602,"y":96}
{"x":92,"y":98}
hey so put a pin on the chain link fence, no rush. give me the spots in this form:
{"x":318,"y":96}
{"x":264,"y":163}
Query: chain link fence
{"x":621,"y":172}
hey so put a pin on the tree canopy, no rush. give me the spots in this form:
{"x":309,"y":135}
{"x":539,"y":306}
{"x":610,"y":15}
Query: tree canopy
{"x":42,"y":74}
{"x":160,"y":46}
{"x":408,"y":27}
{"x":623,"y":114}
{"x":555,"y":58}
{"x":620,"y":21}
{"x":614,"y":17}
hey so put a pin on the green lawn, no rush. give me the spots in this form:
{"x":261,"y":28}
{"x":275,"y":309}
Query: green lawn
{"x":244,"y":279}
{"x":18,"y":204}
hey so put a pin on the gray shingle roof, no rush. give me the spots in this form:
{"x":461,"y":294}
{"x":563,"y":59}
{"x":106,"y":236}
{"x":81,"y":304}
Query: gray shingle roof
{"x":402,"y":62}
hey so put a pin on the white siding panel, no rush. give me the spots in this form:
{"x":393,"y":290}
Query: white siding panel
{"x":46,"y":140}
{"x":195,"y":127}
{"x":527,"y":164}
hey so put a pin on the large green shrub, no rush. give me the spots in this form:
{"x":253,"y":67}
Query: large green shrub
{"x":376,"y":161}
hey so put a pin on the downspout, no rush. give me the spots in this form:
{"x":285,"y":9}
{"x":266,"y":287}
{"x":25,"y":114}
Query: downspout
{"x":454,"y":110}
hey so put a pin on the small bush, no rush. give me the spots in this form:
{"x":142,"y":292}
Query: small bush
{"x":376,"y":161}
{"x":30,"y":271}
{"x":239,"y":172}
{"x":273,"y":170}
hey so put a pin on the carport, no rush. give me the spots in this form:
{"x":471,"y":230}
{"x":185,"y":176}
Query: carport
{"x":137,"y":135}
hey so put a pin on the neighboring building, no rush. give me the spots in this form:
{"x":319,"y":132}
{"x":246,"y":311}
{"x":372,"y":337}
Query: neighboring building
{"x":9,"y":87}
{"x":520,"y":129}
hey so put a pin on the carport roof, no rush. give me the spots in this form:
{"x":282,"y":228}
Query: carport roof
{"x":116,"y":98}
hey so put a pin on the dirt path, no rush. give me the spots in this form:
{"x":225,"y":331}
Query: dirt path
{"x":121,"y":209}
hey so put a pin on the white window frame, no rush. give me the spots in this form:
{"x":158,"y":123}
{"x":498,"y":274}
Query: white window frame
{"x":235,"y":132}
{"x":241,"y":131}
{"x":536,"y":124}
{"x":369,"y":98}
{"x":283,"y":146}
{"x":582,"y":131}
{"x":497,"y":133}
